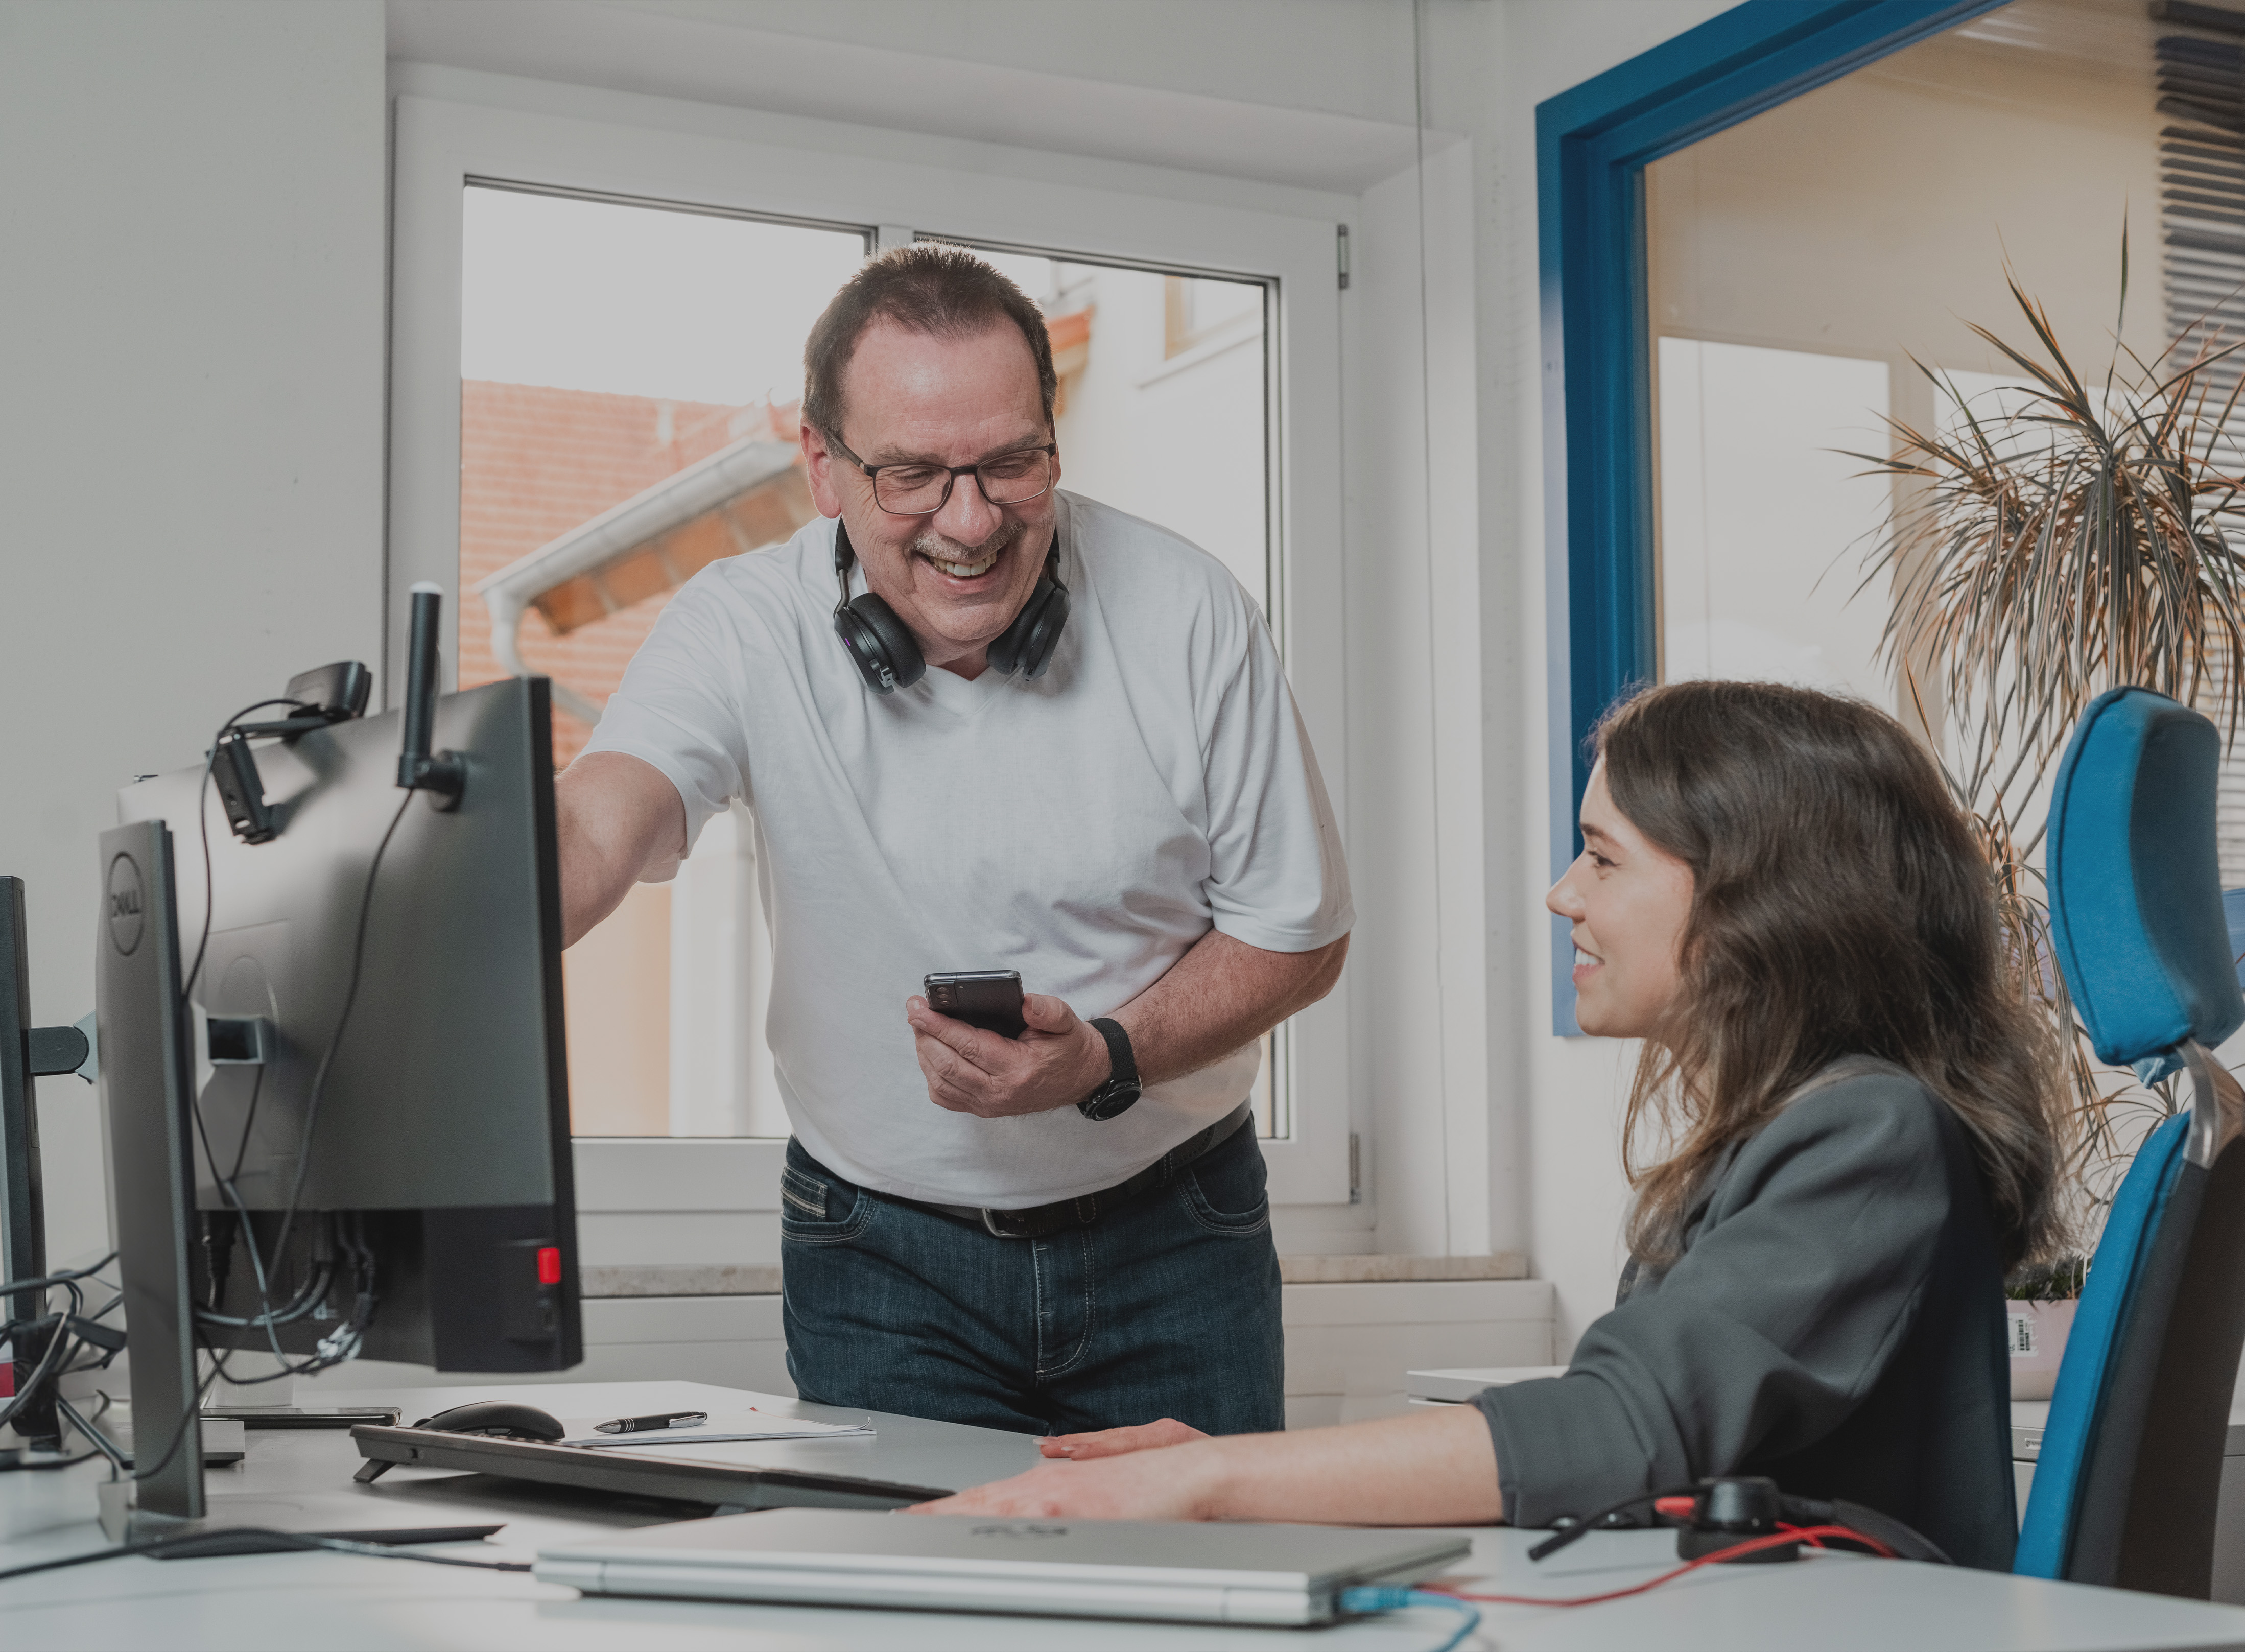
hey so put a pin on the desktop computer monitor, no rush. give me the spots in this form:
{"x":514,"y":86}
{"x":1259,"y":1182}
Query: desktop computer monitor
{"x":407,"y":1183}
{"x":327,"y":999}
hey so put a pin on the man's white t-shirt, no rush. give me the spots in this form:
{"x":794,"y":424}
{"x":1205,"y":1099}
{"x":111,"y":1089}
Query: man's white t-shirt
{"x":1085,"y":828}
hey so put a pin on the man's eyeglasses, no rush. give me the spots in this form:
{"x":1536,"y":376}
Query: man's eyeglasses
{"x":922,"y":490}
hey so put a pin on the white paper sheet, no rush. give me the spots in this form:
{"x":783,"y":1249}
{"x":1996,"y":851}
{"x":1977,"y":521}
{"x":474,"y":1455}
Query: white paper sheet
{"x":723,"y":1428}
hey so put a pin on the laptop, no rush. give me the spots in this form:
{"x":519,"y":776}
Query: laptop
{"x":1196,"y":1573}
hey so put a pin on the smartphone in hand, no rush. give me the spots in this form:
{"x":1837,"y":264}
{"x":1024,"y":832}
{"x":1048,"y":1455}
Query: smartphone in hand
{"x":989,"y":998}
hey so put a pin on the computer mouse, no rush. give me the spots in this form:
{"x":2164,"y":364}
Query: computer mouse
{"x":501,"y":1418}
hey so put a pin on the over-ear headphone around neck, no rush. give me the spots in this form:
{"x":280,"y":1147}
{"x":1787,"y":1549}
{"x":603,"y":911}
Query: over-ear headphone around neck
{"x":882,"y":648}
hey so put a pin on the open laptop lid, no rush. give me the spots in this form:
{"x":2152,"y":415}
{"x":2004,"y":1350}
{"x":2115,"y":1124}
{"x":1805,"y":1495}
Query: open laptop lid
{"x":1214,"y":1572}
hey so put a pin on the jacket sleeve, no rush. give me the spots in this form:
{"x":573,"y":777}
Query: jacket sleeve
{"x":1800,"y":1280}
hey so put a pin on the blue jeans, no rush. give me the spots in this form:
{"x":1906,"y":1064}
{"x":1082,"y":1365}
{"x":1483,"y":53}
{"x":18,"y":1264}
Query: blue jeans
{"x":1165,"y":1306}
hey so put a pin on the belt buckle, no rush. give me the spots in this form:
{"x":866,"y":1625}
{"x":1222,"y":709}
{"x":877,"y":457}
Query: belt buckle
{"x":990,"y":1224}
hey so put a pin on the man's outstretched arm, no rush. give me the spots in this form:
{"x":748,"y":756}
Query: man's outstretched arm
{"x":617,"y":820}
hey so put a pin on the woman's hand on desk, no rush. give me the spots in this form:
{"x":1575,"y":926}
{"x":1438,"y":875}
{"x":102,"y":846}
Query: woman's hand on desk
{"x":1174,"y":1485}
{"x":1432,"y":1468}
{"x":1113,"y":1442}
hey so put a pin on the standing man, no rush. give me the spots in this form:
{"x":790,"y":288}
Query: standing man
{"x":985,"y":725}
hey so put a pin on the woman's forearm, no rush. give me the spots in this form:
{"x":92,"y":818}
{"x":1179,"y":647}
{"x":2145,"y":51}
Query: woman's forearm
{"x":1435,"y":1467}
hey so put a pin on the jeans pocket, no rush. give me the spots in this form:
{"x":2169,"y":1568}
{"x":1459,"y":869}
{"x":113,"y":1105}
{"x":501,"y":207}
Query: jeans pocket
{"x":814,"y":1211}
{"x":1225,"y":1190}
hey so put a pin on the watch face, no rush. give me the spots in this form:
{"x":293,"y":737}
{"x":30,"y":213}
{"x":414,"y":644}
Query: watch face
{"x":1115,"y":1096}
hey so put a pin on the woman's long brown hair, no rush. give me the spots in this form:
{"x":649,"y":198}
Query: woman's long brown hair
{"x":1841,"y":905}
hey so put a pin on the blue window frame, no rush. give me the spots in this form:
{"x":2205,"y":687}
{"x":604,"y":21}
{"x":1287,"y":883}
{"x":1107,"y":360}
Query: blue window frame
{"x":1592,"y":145}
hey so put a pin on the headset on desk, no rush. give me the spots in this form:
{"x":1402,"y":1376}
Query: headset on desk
{"x":1723,"y":1520}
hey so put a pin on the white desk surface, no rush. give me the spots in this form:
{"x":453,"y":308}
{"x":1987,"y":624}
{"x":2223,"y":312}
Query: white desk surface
{"x":341,"y":1603}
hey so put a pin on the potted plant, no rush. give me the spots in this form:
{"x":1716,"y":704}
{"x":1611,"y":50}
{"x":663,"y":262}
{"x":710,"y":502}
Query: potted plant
{"x":2038,"y":1312}
{"x":2075,"y":536}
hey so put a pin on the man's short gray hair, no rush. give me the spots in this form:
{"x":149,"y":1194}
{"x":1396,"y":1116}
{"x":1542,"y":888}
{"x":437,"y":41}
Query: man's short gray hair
{"x":925,"y":287}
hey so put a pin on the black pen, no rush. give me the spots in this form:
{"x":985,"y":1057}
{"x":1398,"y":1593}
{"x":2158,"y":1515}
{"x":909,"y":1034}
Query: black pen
{"x":642,"y":1425}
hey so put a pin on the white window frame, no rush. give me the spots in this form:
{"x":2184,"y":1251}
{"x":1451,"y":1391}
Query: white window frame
{"x":441,"y":145}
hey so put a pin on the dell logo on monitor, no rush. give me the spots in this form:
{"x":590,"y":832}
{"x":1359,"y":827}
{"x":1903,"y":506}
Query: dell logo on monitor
{"x":126,"y":903}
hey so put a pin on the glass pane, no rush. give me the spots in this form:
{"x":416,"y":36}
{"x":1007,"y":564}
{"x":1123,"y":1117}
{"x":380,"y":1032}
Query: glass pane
{"x":1760,"y":508}
{"x":1801,"y":267}
{"x":603,"y":348}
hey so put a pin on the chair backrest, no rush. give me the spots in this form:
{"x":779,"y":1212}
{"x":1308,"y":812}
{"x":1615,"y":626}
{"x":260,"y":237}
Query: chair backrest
{"x":2129,"y":1476}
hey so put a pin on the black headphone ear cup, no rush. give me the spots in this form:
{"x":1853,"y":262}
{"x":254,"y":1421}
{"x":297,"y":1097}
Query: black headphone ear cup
{"x":879,"y":644}
{"x":1051,"y":615}
{"x":1027,"y":645}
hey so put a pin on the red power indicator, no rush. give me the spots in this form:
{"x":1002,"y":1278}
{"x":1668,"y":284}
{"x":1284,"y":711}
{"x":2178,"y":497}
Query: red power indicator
{"x":549,"y":1265}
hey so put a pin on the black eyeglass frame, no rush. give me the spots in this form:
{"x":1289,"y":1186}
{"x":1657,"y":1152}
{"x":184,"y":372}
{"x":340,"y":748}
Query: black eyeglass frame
{"x":872,"y":474}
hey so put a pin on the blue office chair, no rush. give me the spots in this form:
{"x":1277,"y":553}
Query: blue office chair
{"x":2130,"y":1471}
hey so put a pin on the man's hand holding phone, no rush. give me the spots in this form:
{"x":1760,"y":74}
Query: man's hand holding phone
{"x":1057,"y":1059}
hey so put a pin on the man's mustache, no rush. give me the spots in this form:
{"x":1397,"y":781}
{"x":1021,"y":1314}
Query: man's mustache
{"x":936,"y":545}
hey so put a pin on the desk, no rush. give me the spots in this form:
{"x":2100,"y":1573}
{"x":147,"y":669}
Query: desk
{"x":341,"y":1603}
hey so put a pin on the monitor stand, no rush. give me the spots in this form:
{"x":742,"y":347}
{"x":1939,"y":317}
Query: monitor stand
{"x":146,"y":1073}
{"x":26,"y":1052}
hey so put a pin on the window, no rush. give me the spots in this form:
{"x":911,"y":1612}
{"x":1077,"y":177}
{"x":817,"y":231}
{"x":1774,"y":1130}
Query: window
{"x":1800,"y":283}
{"x":606,"y":347}
{"x":569,"y":259}
{"x":1852,"y":188}
{"x":609,"y":347}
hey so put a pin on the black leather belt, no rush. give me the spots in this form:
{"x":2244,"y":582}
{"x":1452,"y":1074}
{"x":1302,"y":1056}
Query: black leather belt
{"x":1040,"y":1220}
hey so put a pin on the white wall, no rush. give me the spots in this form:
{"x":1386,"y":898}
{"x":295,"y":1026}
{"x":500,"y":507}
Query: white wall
{"x":1489,"y":67}
{"x":191,"y":423}
{"x":1880,"y":213}
{"x":1153,"y":81}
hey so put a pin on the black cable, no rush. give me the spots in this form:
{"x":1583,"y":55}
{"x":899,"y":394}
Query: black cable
{"x":121,"y":1550}
{"x":13,"y":1463}
{"x":102,"y":1445}
{"x":10,"y":1288}
{"x":54,"y":1355}
{"x":267,"y":1318}
{"x":40,"y":1374}
{"x":1567,"y":1534}
{"x":308,"y":1296}
{"x":248,"y":1123}
{"x":311,"y":1110}
{"x":195,"y":1545}
{"x":343,"y":1020}
{"x":303,"y":1162}
{"x":187,"y":991}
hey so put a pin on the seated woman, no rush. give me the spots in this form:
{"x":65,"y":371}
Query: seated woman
{"x":1861,"y":1125}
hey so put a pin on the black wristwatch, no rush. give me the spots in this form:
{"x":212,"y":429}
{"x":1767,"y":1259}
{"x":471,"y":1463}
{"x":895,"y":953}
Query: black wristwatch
{"x":1122,"y":1090}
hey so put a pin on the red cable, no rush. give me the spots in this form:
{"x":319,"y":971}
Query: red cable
{"x":1775,"y":1539}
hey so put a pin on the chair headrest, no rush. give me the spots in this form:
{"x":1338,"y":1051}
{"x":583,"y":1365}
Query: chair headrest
{"x":2136,"y":881}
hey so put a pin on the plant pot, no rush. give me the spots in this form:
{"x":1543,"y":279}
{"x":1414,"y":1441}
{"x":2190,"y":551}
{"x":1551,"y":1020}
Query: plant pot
{"x":2034,"y":1334}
